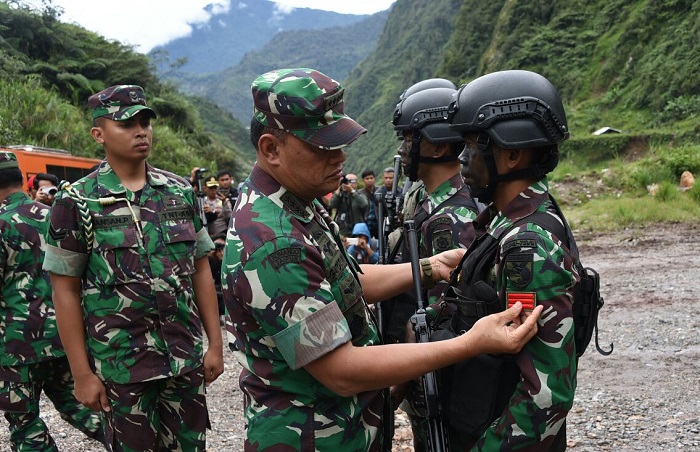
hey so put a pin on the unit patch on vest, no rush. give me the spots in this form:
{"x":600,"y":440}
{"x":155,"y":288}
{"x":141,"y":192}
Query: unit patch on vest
{"x":518,"y":269}
{"x":442,"y":241}
{"x":107,"y":222}
{"x":285,"y":256}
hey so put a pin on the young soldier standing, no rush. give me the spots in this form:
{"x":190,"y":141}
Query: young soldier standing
{"x":133,"y":288}
{"x":32,"y":359}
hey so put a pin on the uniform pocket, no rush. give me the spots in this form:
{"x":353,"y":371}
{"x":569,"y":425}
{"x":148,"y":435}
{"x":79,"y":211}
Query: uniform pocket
{"x":116,"y":258}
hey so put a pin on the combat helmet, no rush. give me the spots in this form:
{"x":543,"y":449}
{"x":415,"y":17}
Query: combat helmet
{"x":422,"y":110}
{"x":517,"y":109}
{"x":511,"y":109}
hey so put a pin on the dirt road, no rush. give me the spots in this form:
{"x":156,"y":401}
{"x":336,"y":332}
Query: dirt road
{"x":645,"y":396}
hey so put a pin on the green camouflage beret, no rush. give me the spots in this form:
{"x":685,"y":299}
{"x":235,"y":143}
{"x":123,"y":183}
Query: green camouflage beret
{"x":120,"y":102}
{"x":8,"y":160}
{"x":307,"y":104}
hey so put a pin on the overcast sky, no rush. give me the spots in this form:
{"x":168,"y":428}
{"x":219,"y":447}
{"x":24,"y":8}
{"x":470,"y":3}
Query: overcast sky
{"x":148,"y":23}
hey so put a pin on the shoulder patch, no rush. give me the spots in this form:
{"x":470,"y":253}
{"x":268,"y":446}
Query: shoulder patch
{"x":442,"y":241}
{"x":522,"y":243}
{"x":518,"y":269}
{"x":285,"y":256}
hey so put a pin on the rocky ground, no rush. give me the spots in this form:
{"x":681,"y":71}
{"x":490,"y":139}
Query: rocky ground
{"x":645,"y":396}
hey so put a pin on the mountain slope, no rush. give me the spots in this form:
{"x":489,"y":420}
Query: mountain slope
{"x":245,"y":27}
{"x":333,"y":51}
{"x":626,"y":64}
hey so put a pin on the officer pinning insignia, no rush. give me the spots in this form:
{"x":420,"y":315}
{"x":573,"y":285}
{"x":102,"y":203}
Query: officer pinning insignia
{"x":518,"y":269}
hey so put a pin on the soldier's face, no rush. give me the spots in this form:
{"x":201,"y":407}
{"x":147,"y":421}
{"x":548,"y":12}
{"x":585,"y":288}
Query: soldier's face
{"x":474,"y":171}
{"x":307,"y":171}
{"x":128,"y":140}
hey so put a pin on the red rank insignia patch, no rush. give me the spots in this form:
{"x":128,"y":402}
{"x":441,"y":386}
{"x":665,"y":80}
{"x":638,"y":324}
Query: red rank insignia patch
{"x":526,"y":298}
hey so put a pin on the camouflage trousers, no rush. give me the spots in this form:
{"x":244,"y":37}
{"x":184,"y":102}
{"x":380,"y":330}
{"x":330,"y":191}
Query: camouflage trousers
{"x":20,"y":391}
{"x":158,"y":415}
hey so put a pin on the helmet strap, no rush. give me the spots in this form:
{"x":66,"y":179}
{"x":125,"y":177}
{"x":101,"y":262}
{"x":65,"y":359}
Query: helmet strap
{"x":536,"y":171}
{"x":414,"y":156}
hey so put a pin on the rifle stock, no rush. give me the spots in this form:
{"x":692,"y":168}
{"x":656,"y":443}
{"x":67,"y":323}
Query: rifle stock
{"x":437,"y":438}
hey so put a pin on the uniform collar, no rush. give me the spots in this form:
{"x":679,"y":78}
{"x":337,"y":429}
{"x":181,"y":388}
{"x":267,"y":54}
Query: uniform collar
{"x":523,"y":205}
{"x":268,"y":186}
{"x":109,"y":182}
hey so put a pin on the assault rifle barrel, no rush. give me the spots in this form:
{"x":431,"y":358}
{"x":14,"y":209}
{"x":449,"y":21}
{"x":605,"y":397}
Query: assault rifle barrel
{"x":437,"y":439}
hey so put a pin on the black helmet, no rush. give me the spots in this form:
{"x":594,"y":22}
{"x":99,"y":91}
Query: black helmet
{"x":422,"y":110}
{"x":426,"y":111}
{"x":517,"y":109}
{"x":426,"y":84}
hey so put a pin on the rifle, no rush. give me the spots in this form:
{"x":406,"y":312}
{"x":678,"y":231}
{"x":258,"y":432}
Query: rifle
{"x":199,"y":175}
{"x":386,"y":226}
{"x":437,"y":437}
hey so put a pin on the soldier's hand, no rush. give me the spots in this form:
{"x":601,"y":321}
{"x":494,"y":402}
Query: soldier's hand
{"x":213,"y":364}
{"x":91,"y":392}
{"x":445,"y":262}
{"x":505,"y":332}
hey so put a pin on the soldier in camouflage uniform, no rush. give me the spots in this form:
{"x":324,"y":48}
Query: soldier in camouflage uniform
{"x":512,"y":122}
{"x":296,"y":302}
{"x":439,"y":202}
{"x":128,"y":254}
{"x":32,"y":359}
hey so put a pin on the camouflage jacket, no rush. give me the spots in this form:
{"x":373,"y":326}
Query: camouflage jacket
{"x":28,"y":332}
{"x":137,"y":297}
{"x":532,"y":260}
{"x":448,"y":226}
{"x":292,"y":295}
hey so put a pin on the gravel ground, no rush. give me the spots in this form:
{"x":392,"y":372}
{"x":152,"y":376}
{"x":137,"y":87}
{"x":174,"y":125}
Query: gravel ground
{"x":645,"y":396}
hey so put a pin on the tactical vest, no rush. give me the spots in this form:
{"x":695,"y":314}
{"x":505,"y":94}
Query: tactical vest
{"x":475,"y":392}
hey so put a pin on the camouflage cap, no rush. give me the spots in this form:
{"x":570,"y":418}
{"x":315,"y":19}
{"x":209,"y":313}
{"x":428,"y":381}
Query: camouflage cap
{"x":8,"y":160}
{"x":119,"y":102}
{"x":307,"y":104}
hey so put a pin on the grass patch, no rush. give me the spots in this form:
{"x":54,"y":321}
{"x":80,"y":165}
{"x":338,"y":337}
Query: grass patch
{"x":614,"y":213}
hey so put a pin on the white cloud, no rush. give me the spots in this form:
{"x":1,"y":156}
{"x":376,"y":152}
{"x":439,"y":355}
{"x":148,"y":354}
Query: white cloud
{"x":149,"y":23}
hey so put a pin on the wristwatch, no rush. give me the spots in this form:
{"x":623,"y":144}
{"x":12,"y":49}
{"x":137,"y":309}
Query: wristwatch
{"x":428,"y":281}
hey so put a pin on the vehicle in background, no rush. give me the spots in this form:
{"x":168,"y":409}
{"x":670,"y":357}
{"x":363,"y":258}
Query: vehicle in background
{"x":34,"y":159}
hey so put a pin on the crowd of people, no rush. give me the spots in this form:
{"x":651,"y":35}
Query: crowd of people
{"x":110,"y":283}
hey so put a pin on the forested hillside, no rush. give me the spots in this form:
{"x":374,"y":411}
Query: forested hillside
{"x":48,"y":70}
{"x":625,"y":64}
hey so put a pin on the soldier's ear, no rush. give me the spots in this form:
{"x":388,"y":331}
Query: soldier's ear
{"x":96,"y":133}
{"x":268,"y":148}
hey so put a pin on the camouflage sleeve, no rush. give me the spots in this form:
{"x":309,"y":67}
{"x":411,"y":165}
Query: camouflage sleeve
{"x":66,"y":251}
{"x":204,"y":242}
{"x":292,"y":301}
{"x":533,"y":264}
